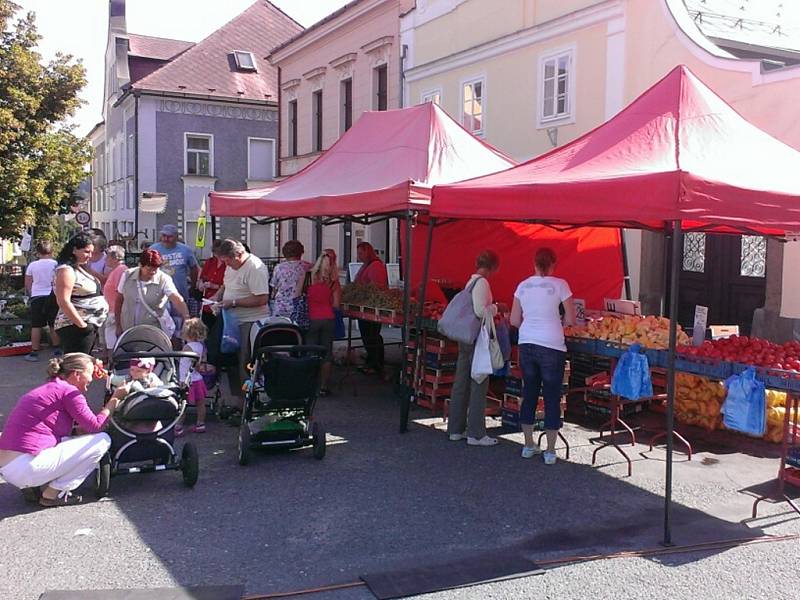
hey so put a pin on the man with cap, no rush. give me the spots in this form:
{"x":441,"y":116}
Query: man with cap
{"x":179,"y":263}
{"x":179,"y":260}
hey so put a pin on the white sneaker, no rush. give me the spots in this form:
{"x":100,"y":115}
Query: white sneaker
{"x":530,"y":452}
{"x":484,"y":441}
{"x":457,"y":437}
{"x":550,"y":458}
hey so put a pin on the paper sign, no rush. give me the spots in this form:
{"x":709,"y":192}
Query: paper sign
{"x":719,"y":332}
{"x":393,"y":273}
{"x":623,"y":307}
{"x":353,"y":269}
{"x":580,"y":311}
{"x":700,"y":322}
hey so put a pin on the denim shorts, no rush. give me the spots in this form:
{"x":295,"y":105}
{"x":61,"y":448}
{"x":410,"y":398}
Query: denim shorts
{"x":542,"y":375}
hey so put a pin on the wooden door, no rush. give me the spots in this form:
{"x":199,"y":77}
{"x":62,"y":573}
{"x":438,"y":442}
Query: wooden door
{"x":726,"y":273}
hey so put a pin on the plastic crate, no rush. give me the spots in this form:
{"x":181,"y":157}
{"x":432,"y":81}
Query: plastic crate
{"x":793,"y":457}
{"x":610,"y":349}
{"x":774,"y":379}
{"x":514,"y":386}
{"x":434,"y":360}
{"x":16,"y":349}
{"x":656,"y":358}
{"x":705,"y":367}
{"x":580,"y":345}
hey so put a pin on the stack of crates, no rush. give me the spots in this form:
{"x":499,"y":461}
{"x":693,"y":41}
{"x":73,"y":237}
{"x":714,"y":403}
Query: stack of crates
{"x":430,"y":369}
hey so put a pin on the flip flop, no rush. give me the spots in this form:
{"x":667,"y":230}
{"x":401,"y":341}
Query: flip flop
{"x":68,"y":499}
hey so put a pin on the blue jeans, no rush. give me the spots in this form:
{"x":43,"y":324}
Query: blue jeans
{"x":542,"y":374}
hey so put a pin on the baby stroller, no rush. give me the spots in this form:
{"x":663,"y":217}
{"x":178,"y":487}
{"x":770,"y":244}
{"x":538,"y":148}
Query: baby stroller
{"x":282,"y":391}
{"x":158,"y":409}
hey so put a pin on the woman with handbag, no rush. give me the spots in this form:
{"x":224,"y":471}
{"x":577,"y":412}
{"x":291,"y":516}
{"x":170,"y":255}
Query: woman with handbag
{"x":466,"y":418}
{"x":542,"y":351}
{"x":143,"y":295}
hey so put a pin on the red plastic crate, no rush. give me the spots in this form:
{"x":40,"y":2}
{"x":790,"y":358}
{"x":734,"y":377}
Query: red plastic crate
{"x":16,"y":349}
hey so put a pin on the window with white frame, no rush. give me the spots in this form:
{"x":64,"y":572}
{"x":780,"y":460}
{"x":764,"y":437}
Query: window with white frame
{"x":199,"y":154}
{"x":245,"y":61}
{"x":473,"y":94}
{"x":434,"y":96}
{"x":260,"y":158}
{"x":131,"y":196}
{"x":131,"y":156}
{"x":556,"y":77}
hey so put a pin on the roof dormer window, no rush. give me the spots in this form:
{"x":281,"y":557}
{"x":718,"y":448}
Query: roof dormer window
{"x":245,"y":61}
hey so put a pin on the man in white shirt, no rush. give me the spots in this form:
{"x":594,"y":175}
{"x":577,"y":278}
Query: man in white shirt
{"x":39,"y":286}
{"x":245,"y":292}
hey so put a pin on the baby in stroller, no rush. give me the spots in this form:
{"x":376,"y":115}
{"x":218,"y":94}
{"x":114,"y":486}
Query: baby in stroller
{"x":140,"y":378}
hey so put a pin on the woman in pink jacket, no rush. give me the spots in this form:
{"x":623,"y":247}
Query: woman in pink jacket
{"x":35,"y":448}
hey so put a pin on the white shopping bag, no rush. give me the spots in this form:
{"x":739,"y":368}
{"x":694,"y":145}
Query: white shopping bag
{"x":482,"y":357}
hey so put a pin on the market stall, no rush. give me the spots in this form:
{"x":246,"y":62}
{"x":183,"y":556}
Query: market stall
{"x":677,"y":158}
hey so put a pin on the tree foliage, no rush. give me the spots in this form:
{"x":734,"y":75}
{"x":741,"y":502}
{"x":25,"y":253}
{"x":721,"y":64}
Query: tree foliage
{"x":41,"y":160}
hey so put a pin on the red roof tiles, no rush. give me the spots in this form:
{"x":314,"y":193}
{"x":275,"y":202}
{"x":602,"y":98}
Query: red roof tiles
{"x":146,"y":46}
{"x":208,"y":67}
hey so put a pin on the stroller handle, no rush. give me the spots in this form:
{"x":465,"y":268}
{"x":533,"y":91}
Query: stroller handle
{"x":296,"y":348}
{"x":130,"y":355}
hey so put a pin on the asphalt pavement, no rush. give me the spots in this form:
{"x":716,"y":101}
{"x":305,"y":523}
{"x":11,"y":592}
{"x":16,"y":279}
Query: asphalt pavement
{"x":381,"y":500}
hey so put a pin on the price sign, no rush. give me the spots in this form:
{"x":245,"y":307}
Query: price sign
{"x":580,"y":311}
{"x":700,"y":322}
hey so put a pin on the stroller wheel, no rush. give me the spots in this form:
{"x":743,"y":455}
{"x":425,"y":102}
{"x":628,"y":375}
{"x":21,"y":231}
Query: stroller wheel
{"x":103,"y":477}
{"x":190,"y":464}
{"x":244,"y":444}
{"x":318,"y":438}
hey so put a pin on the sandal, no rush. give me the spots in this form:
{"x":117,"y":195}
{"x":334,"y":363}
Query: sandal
{"x":324,"y":392}
{"x":198,"y":428}
{"x":179,"y":431}
{"x":68,"y":499}
{"x":31,"y":494}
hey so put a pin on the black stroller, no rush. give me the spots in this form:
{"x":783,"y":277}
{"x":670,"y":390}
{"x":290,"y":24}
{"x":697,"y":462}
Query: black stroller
{"x":281,"y":393}
{"x":142,"y":427}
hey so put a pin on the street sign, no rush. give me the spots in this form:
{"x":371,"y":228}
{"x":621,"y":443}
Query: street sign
{"x":83,"y":217}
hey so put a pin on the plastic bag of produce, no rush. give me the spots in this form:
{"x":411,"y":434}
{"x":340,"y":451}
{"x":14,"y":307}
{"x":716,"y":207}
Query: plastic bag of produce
{"x":745,"y":407}
{"x":631,"y":378}
{"x":458,"y":321}
{"x":230,"y":341}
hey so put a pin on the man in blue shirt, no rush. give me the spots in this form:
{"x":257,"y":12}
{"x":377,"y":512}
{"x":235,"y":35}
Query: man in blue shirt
{"x":179,"y":260}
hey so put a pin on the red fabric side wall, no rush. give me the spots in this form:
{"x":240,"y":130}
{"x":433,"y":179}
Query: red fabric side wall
{"x":589,"y":258}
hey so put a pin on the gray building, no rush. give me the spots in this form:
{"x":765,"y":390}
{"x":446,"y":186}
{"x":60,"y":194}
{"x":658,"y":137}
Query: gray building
{"x":181,"y":119}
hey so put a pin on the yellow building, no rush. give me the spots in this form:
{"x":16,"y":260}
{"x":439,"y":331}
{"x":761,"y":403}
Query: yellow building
{"x":529,"y":75}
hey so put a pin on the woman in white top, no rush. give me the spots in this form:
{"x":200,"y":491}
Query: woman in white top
{"x":541,"y":348}
{"x":39,"y":286}
{"x":468,"y":398}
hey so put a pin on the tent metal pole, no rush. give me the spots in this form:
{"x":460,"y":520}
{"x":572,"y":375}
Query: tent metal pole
{"x":677,"y":246}
{"x":405,"y":400}
{"x":626,"y":275}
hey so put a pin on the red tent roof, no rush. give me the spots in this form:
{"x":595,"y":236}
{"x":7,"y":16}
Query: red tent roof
{"x":678,"y":152}
{"x":387,"y":162}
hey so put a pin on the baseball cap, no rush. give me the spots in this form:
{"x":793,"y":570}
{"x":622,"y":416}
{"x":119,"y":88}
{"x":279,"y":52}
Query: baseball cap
{"x":169,"y":230}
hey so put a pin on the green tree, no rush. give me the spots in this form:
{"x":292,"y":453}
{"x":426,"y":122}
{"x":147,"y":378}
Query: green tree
{"x":41,"y":159}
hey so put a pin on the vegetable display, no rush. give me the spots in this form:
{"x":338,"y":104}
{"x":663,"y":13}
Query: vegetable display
{"x":649,"y":332}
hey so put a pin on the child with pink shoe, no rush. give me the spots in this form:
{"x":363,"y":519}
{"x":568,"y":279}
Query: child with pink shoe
{"x":194,"y":333}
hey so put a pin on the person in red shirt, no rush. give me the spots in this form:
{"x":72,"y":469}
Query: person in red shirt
{"x":211,"y":278}
{"x":324,"y":295}
{"x":372,"y":271}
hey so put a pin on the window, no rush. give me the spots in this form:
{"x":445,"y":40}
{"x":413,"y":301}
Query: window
{"x":346,"y":100}
{"x":260,"y":158}
{"x":293,"y":128}
{"x":245,"y":61}
{"x":694,"y":252}
{"x":199,"y":154}
{"x":753,"y":256}
{"x":131,"y":156}
{"x":381,"y":82}
{"x":316,"y":108}
{"x":557,"y":79}
{"x":131,"y":196}
{"x":434,"y":96}
{"x":472,"y":95}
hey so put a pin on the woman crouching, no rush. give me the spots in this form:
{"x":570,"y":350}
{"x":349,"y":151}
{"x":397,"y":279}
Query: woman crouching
{"x":35,"y":448}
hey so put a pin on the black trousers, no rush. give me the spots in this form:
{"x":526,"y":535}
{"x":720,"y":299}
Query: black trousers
{"x":74,"y":339}
{"x":373,"y":342}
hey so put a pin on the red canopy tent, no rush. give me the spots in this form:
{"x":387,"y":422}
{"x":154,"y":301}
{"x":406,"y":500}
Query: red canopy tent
{"x":678,"y":156}
{"x":386,"y":163}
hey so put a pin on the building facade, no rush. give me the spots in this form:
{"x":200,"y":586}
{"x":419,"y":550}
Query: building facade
{"x":181,"y":119}
{"x":348,"y":63}
{"x":539,"y":74}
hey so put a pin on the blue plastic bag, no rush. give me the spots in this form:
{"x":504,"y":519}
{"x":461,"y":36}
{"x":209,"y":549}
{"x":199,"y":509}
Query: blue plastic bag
{"x":745,"y":406}
{"x":631,"y":378}
{"x":503,"y":333}
{"x":230,"y":341}
{"x":340,"y":332}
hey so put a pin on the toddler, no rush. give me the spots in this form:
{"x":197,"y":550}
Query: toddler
{"x":194,"y":333}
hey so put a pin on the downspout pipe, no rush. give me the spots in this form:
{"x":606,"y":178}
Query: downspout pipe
{"x":136,"y":169}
